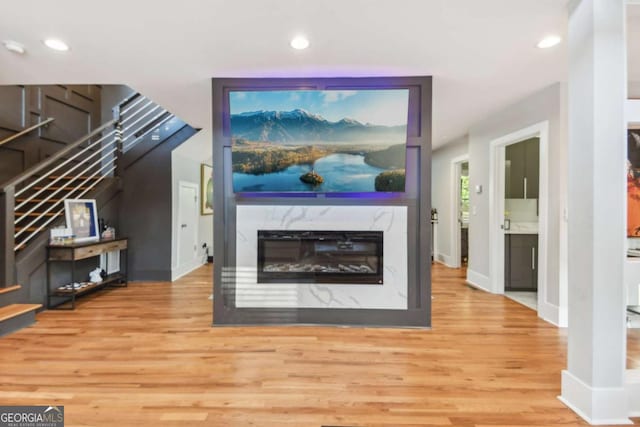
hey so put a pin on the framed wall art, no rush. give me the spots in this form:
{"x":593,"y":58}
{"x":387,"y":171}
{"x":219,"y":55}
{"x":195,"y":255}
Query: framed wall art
{"x":206,"y":189}
{"x":82,"y":218}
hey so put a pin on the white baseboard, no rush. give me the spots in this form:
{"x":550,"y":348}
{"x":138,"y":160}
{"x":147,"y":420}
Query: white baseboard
{"x":183,"y":270}
{"x":632,"y":380}
{"x":445,"y":260}
{"x":478,"y":280}
{"x":597,"y":406}
{"x":553,"y":314}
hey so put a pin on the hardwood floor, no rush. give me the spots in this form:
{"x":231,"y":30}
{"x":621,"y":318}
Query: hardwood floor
{"x":147,"y":356}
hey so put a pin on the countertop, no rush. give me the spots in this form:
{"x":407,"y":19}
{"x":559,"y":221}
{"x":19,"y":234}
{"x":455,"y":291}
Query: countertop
{"x":522,"y":228}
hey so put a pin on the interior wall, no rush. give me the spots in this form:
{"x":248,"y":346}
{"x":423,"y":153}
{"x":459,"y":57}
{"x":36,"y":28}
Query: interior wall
{"x":548,"y":104}
{"x":633,"y":90}
{"x":442,"y":192}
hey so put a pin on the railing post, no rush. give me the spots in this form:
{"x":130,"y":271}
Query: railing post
{"x":7,"y":240}
{"x":119,"y":141}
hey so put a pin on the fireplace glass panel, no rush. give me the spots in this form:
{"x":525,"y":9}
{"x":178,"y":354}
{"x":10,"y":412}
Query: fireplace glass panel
{"x":339,"y":257}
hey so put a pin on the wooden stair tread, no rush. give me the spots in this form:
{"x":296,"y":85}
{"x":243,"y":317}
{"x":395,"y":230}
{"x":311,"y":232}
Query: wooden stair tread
{"x":13,"y":310}
{"x":28,"y":229}
{"x":61,"y":188}
{"x":38,"y":200}
{"x":34,"y":214}
{"x":83,"y":177}
{"x":9,"y":289}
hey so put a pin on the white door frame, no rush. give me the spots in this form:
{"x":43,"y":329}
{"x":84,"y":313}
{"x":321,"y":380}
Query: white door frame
{"x":456,"y":172}
{"x":196,"y":188}
{"x":496,"y":206}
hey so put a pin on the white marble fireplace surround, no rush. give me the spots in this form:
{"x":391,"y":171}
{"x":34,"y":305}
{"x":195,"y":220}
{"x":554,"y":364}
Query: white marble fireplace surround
{"x":392,"y":220}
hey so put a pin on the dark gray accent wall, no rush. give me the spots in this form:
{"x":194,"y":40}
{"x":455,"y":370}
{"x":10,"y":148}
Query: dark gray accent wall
{"x":417,"y":199}
{"x":76,"y":109}
{"x":145,"y":210}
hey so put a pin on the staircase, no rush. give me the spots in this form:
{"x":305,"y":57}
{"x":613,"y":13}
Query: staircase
{"x":33,"y":202}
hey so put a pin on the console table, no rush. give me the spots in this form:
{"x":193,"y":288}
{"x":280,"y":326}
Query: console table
{"x":77,"y":251}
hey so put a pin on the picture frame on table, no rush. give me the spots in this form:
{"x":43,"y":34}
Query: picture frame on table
{"x":82,"y":218}
{"x":206,"y":189}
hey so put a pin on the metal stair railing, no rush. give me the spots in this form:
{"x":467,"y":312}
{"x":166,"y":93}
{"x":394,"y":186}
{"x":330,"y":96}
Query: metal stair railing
{"x":26,"y":131}
{"x":30,"y":202}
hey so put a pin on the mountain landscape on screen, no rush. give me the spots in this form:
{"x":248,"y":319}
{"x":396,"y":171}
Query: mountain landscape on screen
{"x":320,"y":141}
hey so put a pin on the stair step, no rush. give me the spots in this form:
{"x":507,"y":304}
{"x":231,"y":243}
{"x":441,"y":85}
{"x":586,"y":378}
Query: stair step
{"x":61,"y":188}
{"x":9,"y":289}
{"x":20,"y":200}
{"x":14,"y":310}
{"x":36,"y":214}
{"x":28,"y":229}
{"x":82,"y":177}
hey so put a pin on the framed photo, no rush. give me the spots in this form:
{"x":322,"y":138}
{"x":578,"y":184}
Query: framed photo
{"x":206,"y":189}
{"x":82,"y":218}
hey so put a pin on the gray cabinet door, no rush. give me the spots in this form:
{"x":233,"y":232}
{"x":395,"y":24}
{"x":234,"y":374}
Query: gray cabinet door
{"x":524,"y":162}
{"x":514,"y":182}
{"x":532,"y":167}
{"x":521,"y":262}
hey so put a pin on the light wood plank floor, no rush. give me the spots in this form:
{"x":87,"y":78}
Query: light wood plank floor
{"x":148,"y":356}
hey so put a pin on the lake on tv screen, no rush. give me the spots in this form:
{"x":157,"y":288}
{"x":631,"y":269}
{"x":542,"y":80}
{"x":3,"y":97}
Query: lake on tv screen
{"x":321,"y":141}
{"x":340,"y":173}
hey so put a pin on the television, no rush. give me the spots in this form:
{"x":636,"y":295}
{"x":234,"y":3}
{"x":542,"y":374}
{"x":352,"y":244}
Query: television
{"x":322,"y":141}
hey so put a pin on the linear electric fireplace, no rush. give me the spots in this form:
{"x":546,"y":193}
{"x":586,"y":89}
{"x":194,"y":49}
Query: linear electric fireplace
{"x":339,"y":257}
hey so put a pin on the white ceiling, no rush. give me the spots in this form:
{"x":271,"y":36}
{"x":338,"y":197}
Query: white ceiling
{"x":482,"y":54}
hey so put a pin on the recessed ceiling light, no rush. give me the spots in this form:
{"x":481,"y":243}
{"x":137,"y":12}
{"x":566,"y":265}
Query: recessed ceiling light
{"x":56,"y":44}
{"x":549,"y":41}
{"x":300,"y":42}
{"x":14,"y":46}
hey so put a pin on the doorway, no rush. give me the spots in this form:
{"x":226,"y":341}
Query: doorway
{"x":463,"y":213}
{"x":459,"y":212}
{"x":188,"y":215}
{"x":520,"y":227}
{"x":518,"y":215}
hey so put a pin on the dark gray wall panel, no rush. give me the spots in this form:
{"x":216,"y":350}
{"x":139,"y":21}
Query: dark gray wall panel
{"x":145,"y":215}
{"x":76,"y":110}
{"x":71,"y":122}
{"x":12,"y":163}
{"x":12,"y":107}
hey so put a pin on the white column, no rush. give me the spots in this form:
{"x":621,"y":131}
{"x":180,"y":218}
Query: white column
{"x":593,"y":384}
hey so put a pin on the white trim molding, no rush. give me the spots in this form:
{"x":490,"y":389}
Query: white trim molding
{"x":478,"y":280}
{"x":558,"y":316}
{"x":183,"y":270}
{"x":445,"y":260}
{"x":596,"y":405}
